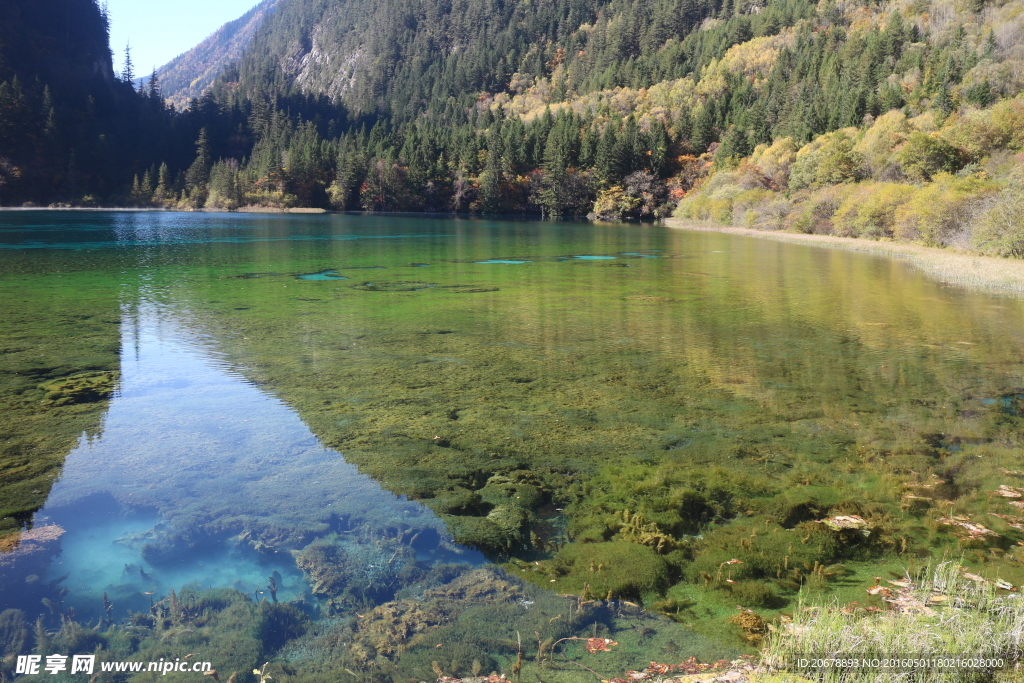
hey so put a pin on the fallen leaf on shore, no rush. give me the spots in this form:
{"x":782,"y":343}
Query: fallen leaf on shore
{"x":909,"y":605}
{"x":1015,"y":522}
{"x":973,"y":529}
{"x":840,"y":522}
{"x":600,"y":645}
{"x":1008,"y":491}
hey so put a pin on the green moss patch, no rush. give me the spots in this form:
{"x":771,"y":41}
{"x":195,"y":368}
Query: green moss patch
{"x":607,"y":570}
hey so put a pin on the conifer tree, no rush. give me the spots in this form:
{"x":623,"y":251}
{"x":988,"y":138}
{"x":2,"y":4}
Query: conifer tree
{"x":607,"y":165}
{"x":154,"y":86}
{"x":629,"y":150}
{"x":702,"y":135}
{"x":659,"y":144}
{"x":163,"y":191}
{"x":513,"y":135}
{"x":128,"y":71}
{"x":198,"y":174}
{"x":491,"y":178}
{"x":588,"y":147}
{"x":552,"y":195}
{"x":683,"y":127}
{"x":136,"y":193}
{"x":49,"y":113}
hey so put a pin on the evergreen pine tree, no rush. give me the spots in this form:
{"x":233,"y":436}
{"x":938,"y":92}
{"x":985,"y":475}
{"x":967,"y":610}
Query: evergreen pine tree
{"x":136,"y":193}
{"x":162,"y":191}
{"x":588,"y":147}
{"x":49,"y":113}
{"x":513,"y":145}
{"x":703,"y":134}
{"x":154,"y":87}
{"x":990,"y":45}
{"x":198,"y":174}
{"x":659,"y":143}
{"x":734,"y":146}
{"x":490,"y":179}
{"x":128,"y":71}
{"x":607,"y":165}
{"x":630,"y":151}
{"x":552,"y":195}
{"x":683,"y":127}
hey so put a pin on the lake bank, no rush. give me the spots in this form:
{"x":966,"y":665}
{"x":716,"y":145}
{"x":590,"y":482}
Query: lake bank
{"x":107,"y":209}
{"x":986,"y":273}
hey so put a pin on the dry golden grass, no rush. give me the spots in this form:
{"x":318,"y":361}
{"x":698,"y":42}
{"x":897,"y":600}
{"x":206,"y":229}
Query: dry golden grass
{"x":939,"y":613}
{"x":984,"y":273}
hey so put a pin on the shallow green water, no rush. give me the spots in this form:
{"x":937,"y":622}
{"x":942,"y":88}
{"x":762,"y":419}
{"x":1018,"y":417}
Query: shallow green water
{"x":374,"y":409}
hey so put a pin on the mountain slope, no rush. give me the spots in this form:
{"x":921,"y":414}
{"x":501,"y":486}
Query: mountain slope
{"x":398,"y":56}
{"x":556,"y":107}
{"x":189,"y":74}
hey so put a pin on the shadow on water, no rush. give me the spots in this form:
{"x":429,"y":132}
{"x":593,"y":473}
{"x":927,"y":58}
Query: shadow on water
{"x":224,"y":468}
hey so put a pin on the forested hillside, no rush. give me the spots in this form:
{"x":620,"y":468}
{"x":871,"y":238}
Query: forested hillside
{"x":63,"y":43}
{"x":57,"y":86}
{"x":188,"y":75}
{"x":613,"y":108}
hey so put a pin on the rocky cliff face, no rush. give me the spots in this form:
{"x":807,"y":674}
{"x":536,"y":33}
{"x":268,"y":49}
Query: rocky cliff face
{"x":189,"y":75}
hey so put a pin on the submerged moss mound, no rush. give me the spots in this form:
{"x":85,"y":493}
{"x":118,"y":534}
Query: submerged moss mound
{"x":483,"y":533}
{"x":238,"y":634}
{"x":610,"y":570}
{"x":242,"y":633}
{"x":344,"y":572}
{"x":85,"y":387}
{"x":464,"y":622}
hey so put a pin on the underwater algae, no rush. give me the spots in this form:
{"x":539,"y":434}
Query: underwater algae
{"x":60,"y":353}
{"x":674,"y":439}
{"x":696,"y":413}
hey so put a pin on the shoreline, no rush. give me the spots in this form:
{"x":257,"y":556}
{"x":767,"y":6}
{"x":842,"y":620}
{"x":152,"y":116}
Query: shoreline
{"x":151,"y":209}
{"x":990,"y":274}
{"x":986,"y":273}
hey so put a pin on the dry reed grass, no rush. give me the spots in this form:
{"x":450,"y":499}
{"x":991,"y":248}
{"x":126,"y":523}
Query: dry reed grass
{"x":984,"y":273}
{"x":941,"y":613}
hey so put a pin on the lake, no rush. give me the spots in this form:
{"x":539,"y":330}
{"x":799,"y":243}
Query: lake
{"x":394,"y":448}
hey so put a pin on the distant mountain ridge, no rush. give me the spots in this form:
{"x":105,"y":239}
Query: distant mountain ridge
{"x":189,"y":74}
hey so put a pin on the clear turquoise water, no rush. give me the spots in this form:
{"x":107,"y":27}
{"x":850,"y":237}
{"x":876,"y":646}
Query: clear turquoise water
{"x":329,"y":274}
{"x":187,"y":433}
{"x":199,"y":476}
{"x":267,"y":407}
